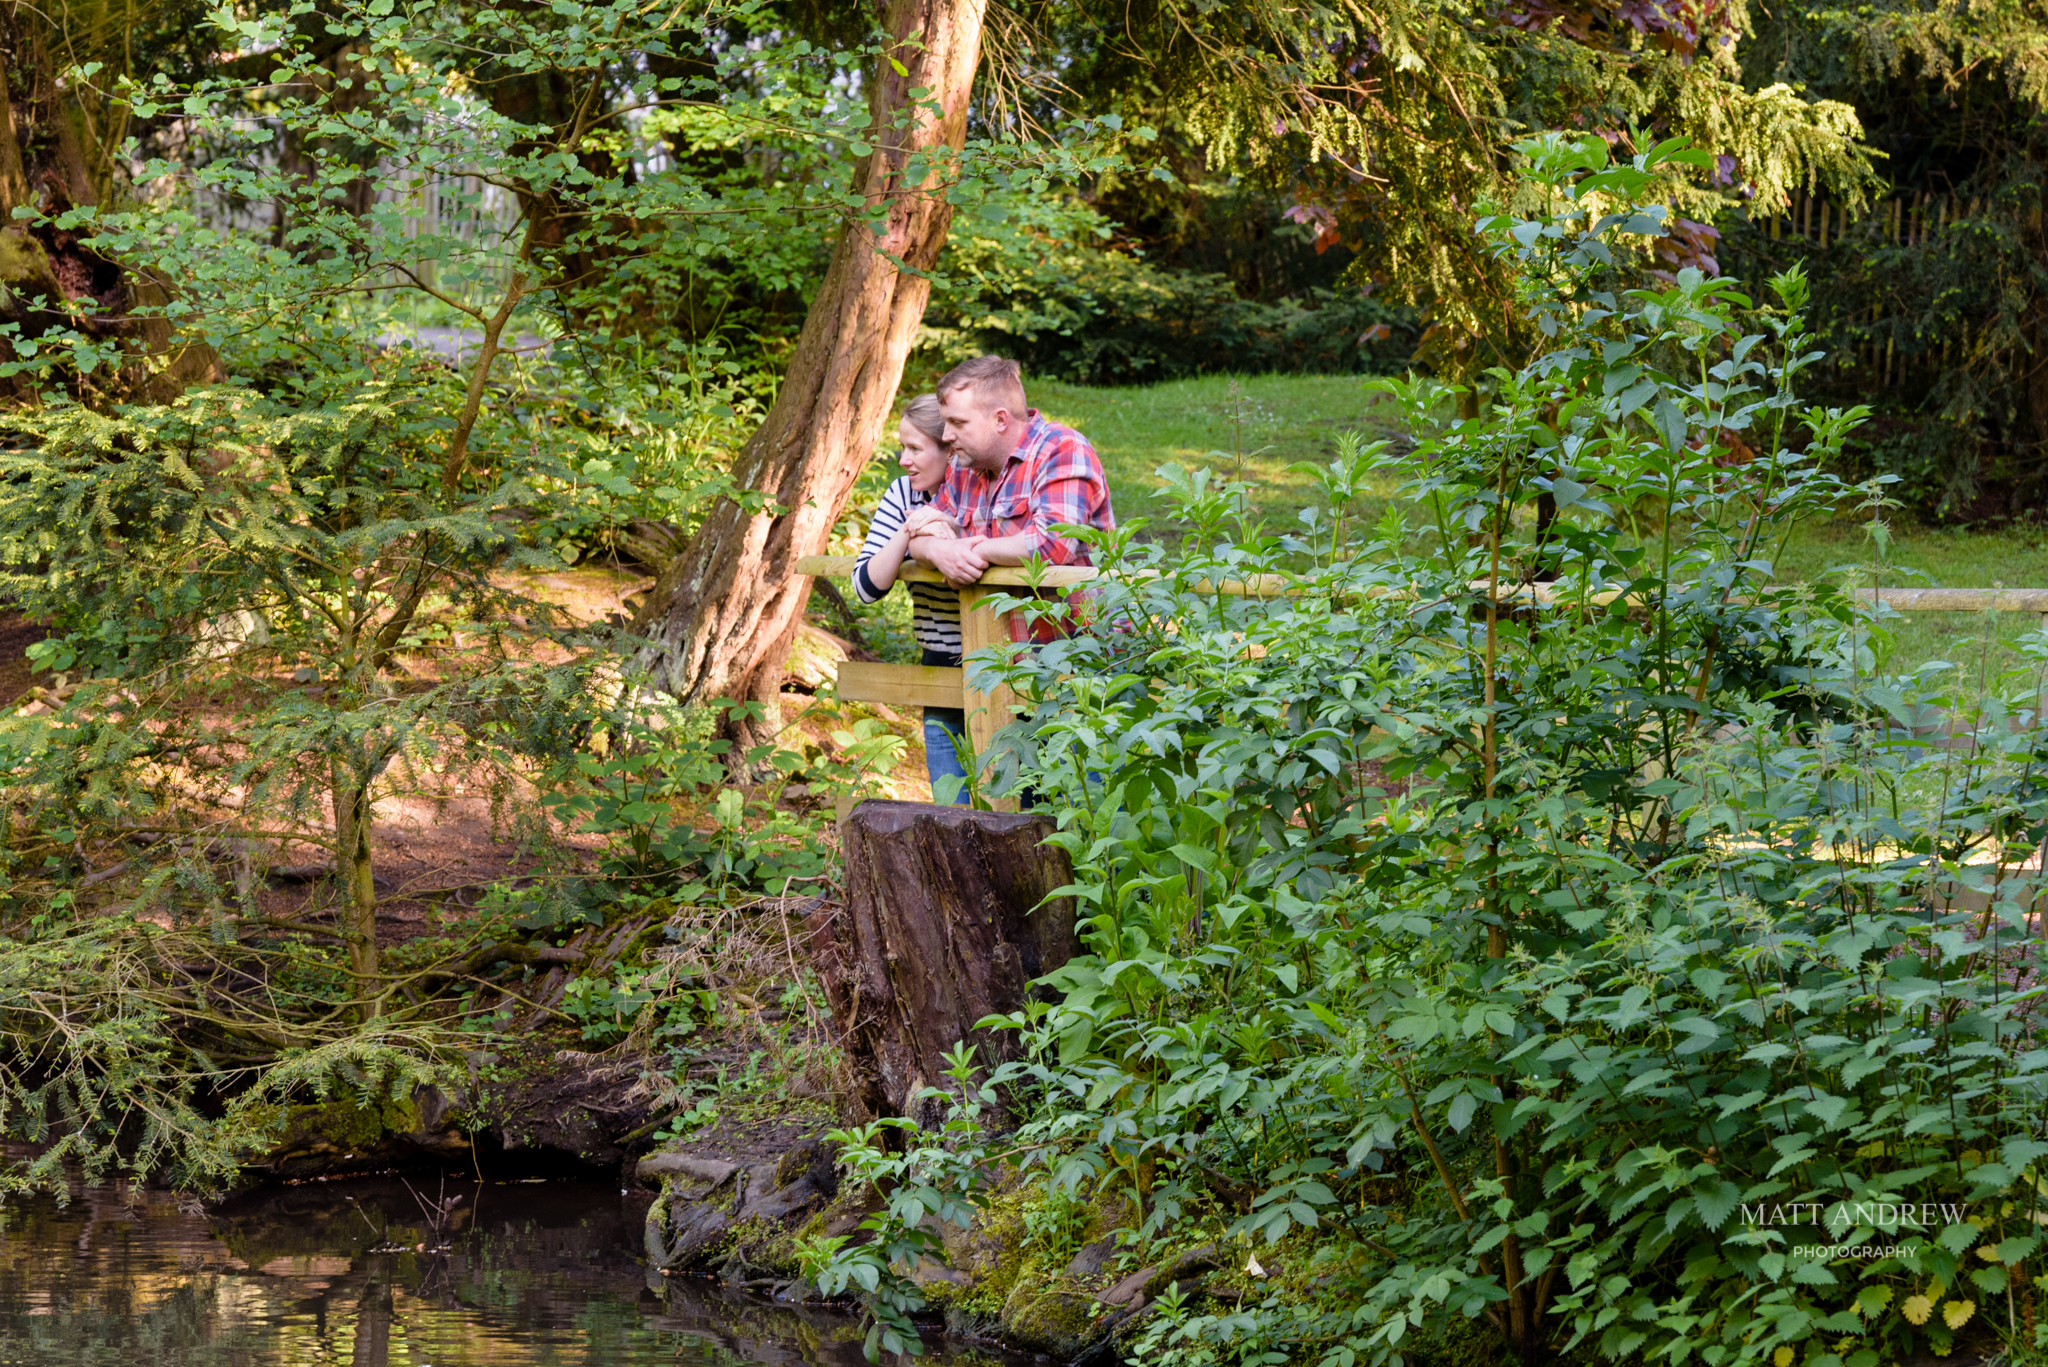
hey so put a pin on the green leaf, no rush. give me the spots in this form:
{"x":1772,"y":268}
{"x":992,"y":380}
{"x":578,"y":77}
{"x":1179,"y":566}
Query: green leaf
{"x":1828,"y":1110}
{"x":1635,"y":396}
{"x":1670,"y":424}
{"x":1715,"y":1201}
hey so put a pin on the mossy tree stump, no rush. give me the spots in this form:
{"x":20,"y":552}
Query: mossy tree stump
{"x":949,"y":915}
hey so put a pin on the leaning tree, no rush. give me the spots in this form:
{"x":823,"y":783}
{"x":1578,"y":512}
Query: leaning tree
{"x":722,"y":614}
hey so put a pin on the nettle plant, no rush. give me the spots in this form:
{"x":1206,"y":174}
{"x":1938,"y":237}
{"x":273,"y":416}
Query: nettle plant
{"x":1535,"y":922}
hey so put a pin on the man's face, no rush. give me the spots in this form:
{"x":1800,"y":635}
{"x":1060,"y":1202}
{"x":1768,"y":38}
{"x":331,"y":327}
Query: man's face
{"x":981,"y":431}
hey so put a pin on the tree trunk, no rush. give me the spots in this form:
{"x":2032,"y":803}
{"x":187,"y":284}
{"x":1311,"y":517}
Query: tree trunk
{"x":51,"y":278}
{"x":577,"y":262}
{"x":355,"y":876}
{"x":374,"y":1313}
{"x":723,"y":613}
{"x":946,"y":921}
{"x":344,"y":87}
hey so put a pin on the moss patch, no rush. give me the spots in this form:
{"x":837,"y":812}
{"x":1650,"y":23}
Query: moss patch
{"x":1043,"y":1317}
{"x":349,"y":1125}
{"x":993,"y":1251}
{"x":764,"y":1246}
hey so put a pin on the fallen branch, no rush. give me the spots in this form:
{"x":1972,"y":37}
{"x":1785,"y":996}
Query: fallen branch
{"x":93,"y":880}
{"x":289,"y":927}
{"x":505,"y":952}
{"x":510,"y":995}
{"x":662,"y":1118}
{"x":850,"y":624}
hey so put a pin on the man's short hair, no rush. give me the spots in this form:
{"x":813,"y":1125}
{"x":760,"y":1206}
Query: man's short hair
{"x":996,"y":378}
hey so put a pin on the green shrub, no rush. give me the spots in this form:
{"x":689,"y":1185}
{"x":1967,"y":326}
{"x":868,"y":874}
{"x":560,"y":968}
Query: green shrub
{"x":246,"y":593}
{"x":1536,"y":915}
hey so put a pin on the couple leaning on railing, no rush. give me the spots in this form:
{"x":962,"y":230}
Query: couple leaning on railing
{"x":986,"y":481}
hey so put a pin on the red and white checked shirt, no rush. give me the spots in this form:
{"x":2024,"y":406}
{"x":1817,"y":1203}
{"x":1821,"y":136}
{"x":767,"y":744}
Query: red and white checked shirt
{"x":1051,"y":477}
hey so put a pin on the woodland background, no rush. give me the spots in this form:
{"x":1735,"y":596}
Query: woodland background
{"x":414,"y":416}
{"x":1300,"y":208}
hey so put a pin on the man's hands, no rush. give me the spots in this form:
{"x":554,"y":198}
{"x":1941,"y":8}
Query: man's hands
{"x":938,"y":543}
{"x":962,"y":559}
{"x":959,"y":559}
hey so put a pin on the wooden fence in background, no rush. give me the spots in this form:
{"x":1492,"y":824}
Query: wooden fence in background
{"x":1907,"y":221}
{"x":1903,"y":221}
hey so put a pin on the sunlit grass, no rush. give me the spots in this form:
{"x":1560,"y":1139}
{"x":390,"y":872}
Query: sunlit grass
{"x":1978,"y":644}
{"x":1261,"y":426}
{"x":1256,"y":428}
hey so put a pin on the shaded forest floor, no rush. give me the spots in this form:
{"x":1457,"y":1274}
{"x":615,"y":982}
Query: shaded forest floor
{"x":442,"y":847}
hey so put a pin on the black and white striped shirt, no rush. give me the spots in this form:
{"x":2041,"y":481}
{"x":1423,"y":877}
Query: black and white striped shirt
{"x":934,"y":608}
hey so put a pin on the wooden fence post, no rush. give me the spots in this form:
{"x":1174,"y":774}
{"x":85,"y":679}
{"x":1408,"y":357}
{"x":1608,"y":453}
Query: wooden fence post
{"x":987,"y":713}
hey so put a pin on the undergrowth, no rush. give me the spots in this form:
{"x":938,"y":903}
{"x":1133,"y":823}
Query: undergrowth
{"x":1529,"y":934}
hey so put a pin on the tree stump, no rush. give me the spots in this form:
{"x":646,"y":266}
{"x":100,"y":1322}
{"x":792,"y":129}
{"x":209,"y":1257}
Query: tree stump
{"x":946,"y":921}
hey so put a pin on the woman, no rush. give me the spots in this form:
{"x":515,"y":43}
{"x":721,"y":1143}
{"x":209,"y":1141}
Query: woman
{"x":934,"y":608}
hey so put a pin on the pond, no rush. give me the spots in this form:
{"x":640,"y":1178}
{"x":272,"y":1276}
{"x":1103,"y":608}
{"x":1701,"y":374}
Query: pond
{"x":354,"y":1273}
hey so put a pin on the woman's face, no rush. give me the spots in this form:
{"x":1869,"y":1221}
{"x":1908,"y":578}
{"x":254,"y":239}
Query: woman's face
{"x":923,"y":458}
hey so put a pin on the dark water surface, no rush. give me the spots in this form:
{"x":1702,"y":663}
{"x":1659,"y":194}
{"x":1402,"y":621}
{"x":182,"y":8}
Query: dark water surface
{"x":347,"y":1274}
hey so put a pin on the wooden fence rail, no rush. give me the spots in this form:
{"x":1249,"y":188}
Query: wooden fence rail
{"x":934,"y":686}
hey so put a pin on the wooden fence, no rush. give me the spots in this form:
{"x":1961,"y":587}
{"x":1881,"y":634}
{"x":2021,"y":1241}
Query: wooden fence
{"x":935,"y":686}
{"x":1907,"y":221}
{"x":1904,"y":221}
{"x":474,"y":215}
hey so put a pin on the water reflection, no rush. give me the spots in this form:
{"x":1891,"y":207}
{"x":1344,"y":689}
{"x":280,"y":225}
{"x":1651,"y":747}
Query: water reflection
{"x":356,"y":1273}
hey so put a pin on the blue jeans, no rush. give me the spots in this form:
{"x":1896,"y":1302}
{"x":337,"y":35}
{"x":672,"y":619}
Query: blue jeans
{"x":943,"y":728}
{"x":941,"y":756}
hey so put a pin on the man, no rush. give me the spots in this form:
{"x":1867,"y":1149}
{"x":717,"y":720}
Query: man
{"x":1015,"y":476}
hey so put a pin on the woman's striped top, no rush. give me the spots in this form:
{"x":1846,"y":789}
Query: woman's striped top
{"x":934,"y":608}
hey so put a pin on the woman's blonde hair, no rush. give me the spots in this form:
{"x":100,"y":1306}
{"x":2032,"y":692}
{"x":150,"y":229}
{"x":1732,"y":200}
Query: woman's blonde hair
{"x":923,"y":413}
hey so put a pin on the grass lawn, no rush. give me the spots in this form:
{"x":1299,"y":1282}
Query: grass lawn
{"x":1935,"y":557}
{"x":1270,"y":422}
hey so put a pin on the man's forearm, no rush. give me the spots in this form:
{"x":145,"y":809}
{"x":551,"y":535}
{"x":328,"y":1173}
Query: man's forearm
{"x":954,"y":558}
{"x":1008,"y":550}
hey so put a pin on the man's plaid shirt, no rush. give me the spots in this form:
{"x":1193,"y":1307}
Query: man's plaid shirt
{"x":1051,"y":477}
